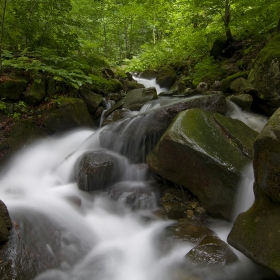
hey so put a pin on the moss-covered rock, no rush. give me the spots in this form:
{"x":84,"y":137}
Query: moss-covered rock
{"x":205,"y":153}
{"x":256,"y":231}
{"x":267,"y":158}
{"x":102,"y":85}
{"x":242,"y":86}
{"x":265,"y":77}
{"x":166,"y":77}
{"x":36,"y":92}
{"x":92,"y":100}
{"x":136,"y":98}
{"x":12,"y":88}
{"x":69,"y":113}
{"x":225,"y":83}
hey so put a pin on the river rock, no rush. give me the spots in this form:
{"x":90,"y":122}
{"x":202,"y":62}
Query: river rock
{"x":12,"y":88}
{"x":265,"y":77}
{"x":244,"y":101}
{"x":135,"y":137}
{"x":67,"y":113}
{"x":166,"y":77}
{"x":136,"y":98}
{"x":189,"y":231}
{"x":211,"y":251}
{"x":256,"y":231}
{"x":205,"y":152}
{"x":225,"y":83}
{"x":92,"y":100}
{"x":97,"y":170}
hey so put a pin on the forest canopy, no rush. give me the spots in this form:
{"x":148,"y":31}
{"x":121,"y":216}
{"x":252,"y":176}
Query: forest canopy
{"x":80,"y":34}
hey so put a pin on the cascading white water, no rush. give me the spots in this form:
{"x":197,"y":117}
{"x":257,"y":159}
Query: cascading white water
{"x":150,"y":83}
{"x":63,"y":233}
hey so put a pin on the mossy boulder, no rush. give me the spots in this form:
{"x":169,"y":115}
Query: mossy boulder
{"x":267,"y":158}
{"x":36,"y":92}
{"x":213,"y":252}
{"x":205,"y":152}
{"x":242,"y":86}
{"x":69,"y":113}
{"x":12,"y":88}
{"x":136,"y":98}
{"x":166,"y":77}
{"x":265,"y":77}
{"x":92,"y":100}
{"x":102,"y":85}
{"x":225,"y":83}
{"x":256,"y":231}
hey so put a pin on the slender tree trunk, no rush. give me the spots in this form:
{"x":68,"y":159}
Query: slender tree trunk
{"x":4,"y":7}
{"x":227,"y":18}
{"x":278,"y":26}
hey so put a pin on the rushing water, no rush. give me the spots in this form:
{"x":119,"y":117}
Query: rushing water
{"x":62,"y":233}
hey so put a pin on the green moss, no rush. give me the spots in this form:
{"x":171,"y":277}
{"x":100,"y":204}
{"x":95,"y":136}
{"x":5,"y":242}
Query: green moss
{"x":207,"y":71}
{"x":225,"y":83}
{"x":100,"y":84}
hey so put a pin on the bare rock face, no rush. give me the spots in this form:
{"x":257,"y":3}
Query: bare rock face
{"x":256,"y":232}
{"x":206,"y":153}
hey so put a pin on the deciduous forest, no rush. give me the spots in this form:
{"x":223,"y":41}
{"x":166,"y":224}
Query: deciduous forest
{"x":67,"y":39}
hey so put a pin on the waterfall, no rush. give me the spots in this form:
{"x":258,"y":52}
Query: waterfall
{"x":63,"y":233}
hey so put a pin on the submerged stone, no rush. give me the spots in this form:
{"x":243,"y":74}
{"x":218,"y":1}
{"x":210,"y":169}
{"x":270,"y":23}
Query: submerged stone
{"x":205,"y":153}
{"x":212,"y":251}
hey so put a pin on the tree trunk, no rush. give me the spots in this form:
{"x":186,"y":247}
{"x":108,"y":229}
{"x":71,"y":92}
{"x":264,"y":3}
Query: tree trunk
{"x":4,"y":7}
{"x":226,"y":19}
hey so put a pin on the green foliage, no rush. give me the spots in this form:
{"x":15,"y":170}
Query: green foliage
{"x":206,"y":71}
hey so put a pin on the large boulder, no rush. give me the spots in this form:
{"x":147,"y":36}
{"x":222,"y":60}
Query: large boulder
{"x":68,"y":113}
{"x":166,"y":77}
{"x":135,"y":137}
{"x":12,"y":88}
{"x":265,"y":77}
{"x":98,"y":170}
{"x":205,"y":152}
{"x":256,"y":231}
{"x":92,"y":100}
{"x":136,"y":98}
{"x":225,"y":83}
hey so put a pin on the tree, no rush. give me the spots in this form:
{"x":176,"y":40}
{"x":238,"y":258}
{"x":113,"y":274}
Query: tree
{"x":3,"y":8}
